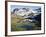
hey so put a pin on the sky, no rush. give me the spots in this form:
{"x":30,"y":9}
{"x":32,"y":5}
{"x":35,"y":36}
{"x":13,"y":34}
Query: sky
{"x":19,"y":6}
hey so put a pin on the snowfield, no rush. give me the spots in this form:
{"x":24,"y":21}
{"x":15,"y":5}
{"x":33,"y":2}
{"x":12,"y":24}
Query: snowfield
{"x":26,"y":14}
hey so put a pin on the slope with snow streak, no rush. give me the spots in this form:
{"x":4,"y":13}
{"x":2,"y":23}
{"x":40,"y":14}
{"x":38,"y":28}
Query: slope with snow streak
{"x":24,"y":13}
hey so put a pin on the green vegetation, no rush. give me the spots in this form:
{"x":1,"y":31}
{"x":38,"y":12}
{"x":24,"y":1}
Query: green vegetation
{"x":17,"y":24}
{"x":16,"y":21}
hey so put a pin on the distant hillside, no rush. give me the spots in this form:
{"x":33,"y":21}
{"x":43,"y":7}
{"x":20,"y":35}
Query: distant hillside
{"x":25,"y":12}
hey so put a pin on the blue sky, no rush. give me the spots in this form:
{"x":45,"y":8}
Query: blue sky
{"x":19,"y":6}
